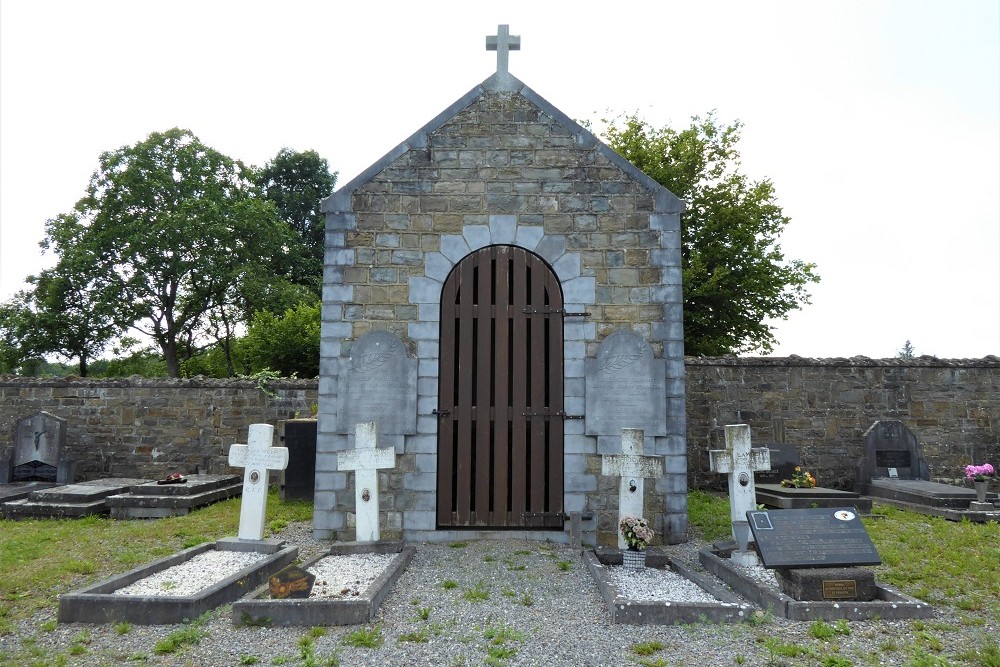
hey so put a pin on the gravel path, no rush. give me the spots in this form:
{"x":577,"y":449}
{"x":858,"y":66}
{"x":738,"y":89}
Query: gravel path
{"x":511,"y":603}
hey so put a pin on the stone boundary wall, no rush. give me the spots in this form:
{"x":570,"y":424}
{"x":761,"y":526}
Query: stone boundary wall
{"x":148,"y":427}
{"x":136,"y":427}
{"x":824,"y":407}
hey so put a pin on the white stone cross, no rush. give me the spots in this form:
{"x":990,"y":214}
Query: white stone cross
{"x":257,"y":457}
{"x":632,"y":467}
{"x":503,"y":42}
{"x":365,"y":461}
{"x":739,"y":461}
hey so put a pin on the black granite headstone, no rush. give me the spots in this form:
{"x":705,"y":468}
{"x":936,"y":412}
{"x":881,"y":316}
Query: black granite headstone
{"x":824,"y":537}
{"x":299,"y":436}
{"x":784,"y":458}
{"x":890,"y":444}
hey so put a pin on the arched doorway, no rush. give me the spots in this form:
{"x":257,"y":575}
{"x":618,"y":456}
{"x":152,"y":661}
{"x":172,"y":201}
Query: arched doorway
{"x":500,"y":405}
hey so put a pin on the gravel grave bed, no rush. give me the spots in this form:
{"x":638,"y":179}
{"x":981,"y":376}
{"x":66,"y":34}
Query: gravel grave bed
{"x":502,"y":602}
{"x":347,"y":576}
{"x":194,"y":575}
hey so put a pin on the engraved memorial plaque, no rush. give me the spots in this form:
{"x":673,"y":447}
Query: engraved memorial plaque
{"x":378,"y":383}
{"x":626,"y":388}
{"x":823,"y":537}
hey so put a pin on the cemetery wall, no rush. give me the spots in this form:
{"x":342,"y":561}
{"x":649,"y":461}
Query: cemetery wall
{"x":150,"y":427}
{"x":824,"y":407}
{"x":145,"y":427}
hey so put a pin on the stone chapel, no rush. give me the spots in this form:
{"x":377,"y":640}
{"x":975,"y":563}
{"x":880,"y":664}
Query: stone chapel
{"x":501,"y":295}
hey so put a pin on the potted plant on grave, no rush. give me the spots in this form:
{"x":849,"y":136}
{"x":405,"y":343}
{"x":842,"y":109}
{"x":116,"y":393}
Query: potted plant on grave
{"x":801,"y":479}
{"x":979,"y":475}
{"x":637,"y":535}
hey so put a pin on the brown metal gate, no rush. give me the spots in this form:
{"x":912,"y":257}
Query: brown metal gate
{"x":500,"y":435}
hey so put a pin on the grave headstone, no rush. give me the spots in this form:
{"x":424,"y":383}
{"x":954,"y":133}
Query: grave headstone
{"x":257,"y":458}
{"x":784,"y":459}
{"x":291,"y":583}
{"x":378,"y":382}
{"x":39,"y":451}
{"x":632,"y":467}
{"x":299,"y":436}
{"x":625,"y":388}
{"x":739,"y":461}
{"x":889,"y":444}
{"x":815,"y":552}
{"x":366,"y":460}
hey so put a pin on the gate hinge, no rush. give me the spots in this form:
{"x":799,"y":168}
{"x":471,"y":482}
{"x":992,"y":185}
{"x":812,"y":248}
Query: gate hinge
{"x":440,"y":413}
{"x":560,"y":413}
{"x":554,"y":311}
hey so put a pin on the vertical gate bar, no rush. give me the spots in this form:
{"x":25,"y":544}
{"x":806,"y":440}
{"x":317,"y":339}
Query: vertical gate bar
{"x":556,"y":396}
{"x":446,"y":401}
{"x":463,"y":466}
{"x":539,"y":273}
{"x":484,"y":379}
{"x":501,"y":400}
{"x":519,"y":380}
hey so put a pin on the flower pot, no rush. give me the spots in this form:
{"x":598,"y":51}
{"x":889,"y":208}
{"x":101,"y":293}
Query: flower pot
{"x":981,"y":490}
{"x":633,"y":559}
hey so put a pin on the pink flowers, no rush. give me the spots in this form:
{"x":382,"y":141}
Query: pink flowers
{"x":979,"y":473}
{"x":636,"y":532}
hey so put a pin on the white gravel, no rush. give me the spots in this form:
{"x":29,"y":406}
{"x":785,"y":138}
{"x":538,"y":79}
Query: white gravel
{"x":347,"y":576}
{"x":655,"y":585}
{"x":760,"y":574}
{"x":193,"y":575}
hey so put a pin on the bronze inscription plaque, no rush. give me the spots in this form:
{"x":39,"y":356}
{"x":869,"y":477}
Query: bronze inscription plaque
{"x":840,"y":589}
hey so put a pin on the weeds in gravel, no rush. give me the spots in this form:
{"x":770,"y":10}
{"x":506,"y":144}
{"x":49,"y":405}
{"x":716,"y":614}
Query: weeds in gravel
{"x":421,"y":636}
{"x":307,"y":651}
{"x":365,"y":638}
{"x":458,"y":545}
{"x":820,"y":629}
{"x":48,"y":626}
{"x":178,"y":639}
{"x":647,"y":648}
{"x":527,"y":600}
{"x":564,"y":565}
{"x":122,"y":628}
{"x":449,"y":584}
{"x":249,"y":660}
{"x":477,"y":593}
{"x":424,"y":613}
{"x":652,"y":662}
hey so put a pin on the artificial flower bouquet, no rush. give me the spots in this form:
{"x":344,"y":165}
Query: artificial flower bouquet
{"x":979,"y":473}
{"x":636,"y":532}
{"x":801,"y":479}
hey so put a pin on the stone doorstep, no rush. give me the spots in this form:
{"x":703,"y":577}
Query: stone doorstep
{"x":98,"y":604}
{"x":891,"y":604}
{"x":259,"y":609}
{"x":730,"y":609}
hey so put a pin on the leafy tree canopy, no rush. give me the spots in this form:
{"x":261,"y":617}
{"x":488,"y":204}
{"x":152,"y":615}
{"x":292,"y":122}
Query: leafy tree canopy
{"x":168,"y":233}
{"x":288,"y":344}
{"x":735,"y":273}
{"x":298,"y":183}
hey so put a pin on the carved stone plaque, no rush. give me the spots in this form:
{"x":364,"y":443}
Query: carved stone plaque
{"x":626,"y":387}
{"x":378,"y":383}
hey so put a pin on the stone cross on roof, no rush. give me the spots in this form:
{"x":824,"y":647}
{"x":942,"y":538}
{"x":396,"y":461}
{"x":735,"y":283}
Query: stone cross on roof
{"x":503,"y":42}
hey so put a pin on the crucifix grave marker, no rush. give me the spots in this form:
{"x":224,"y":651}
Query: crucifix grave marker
{"x":257,"y":457}
{"x":631,"y":467}
{"x":366,"y":460}
{"x":739,"y":461}
{"x":503,"y":42}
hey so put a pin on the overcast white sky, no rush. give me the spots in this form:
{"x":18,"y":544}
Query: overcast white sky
{"x":878,"y":122}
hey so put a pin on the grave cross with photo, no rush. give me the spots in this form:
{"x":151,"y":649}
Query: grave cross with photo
{"x":258,"y":458}
{"x":631,"y":466}
{"x":739,"y":461}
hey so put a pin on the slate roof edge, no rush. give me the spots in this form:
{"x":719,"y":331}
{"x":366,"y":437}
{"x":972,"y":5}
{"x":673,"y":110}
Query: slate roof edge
{"x":664,"y":200}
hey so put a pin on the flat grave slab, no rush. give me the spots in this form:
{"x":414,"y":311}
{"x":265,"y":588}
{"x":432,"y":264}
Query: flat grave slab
{"x":787,"y":498}
{"x":889,"y":602}
{"x":98,"y":603}
{"x":152,"y":500}
{"x":18,"y":490}
{"x":70,"y":500}
{"x":728,"y":609}
{"x":259,"y":608}
{"x":923,"y":492}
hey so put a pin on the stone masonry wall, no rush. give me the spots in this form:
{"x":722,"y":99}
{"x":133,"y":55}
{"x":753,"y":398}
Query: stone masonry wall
{"x":150,"y":427}
{"x":825,"y":406}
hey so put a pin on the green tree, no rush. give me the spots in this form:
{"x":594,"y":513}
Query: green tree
{"x":907,"y":351}
{"x":298,"y":183}
{"x":172,"y":228}
{"x":288,"y":344}
{"x":735,"y":274}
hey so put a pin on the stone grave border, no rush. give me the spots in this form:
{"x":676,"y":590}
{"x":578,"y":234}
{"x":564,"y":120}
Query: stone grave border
{"x":98,"y":603}
{"x":259,"y":609}
{"x":730,"y":609}
{"x":891,"y":604}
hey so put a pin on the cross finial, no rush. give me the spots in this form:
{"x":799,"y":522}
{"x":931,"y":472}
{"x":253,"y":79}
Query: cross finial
{"x":503,"y":42}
